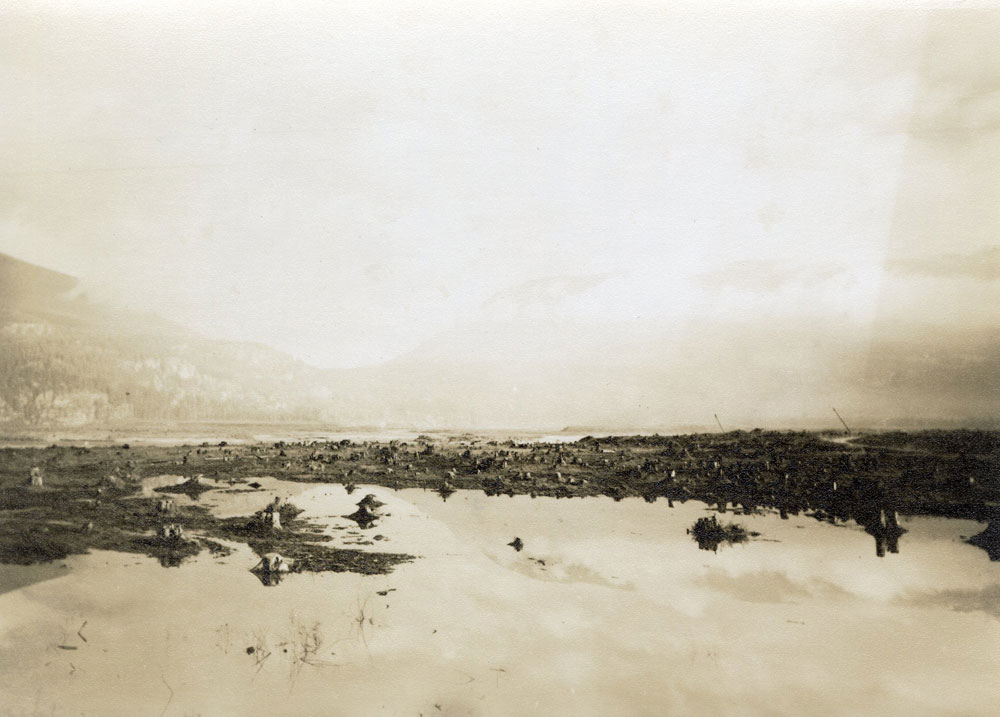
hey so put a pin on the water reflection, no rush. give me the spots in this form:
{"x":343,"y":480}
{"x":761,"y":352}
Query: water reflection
{"x":709,"y":533}
{"x":871,"y":502}
{"x":271,"y":568}
{"x":367,"y":515}
{"x":603,"y":599}
{"x":881,"y":521}
{"x":172,"y":559}
{"x":267,"y":578}
{"x":882,"y":524}
{"x":989,"y":540}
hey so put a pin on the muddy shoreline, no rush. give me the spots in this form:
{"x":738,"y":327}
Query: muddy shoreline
{"x":90,"y":497}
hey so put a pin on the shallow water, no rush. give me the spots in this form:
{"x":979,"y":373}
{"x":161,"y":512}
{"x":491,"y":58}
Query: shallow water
{"x":610,"y":608}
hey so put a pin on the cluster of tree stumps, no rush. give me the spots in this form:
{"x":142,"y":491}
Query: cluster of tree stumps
{"x":92,"y":505}
{"x":869,"y":479}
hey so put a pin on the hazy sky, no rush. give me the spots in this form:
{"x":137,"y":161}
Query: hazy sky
{"x":347,"y":181}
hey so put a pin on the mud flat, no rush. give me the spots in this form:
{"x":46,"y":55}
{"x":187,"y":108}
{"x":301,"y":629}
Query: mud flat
{"x":93,"y":497}
{"x":40,"y":524}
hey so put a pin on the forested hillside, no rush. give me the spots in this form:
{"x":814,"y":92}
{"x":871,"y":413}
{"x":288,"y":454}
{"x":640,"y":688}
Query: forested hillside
{"x":65,"y":361}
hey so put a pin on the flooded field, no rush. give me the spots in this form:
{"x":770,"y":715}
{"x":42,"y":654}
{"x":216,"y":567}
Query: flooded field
{"x":607,"y":608}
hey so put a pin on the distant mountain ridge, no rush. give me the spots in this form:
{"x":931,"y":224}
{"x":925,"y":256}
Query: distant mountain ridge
{"x":21,"y":281}
{"x":67,"y":362}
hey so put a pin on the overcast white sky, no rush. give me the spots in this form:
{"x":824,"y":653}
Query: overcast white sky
{"x":346,"y":181}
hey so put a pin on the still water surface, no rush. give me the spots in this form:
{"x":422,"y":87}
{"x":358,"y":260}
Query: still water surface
{"x":610,"y":608}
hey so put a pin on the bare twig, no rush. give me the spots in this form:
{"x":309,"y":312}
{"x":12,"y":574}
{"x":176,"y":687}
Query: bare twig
{"x":169,"y":699}
{"x":498,"y":670}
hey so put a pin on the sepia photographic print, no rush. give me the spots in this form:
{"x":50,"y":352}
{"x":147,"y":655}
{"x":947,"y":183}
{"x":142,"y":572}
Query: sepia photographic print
{"x":464,"y":357}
